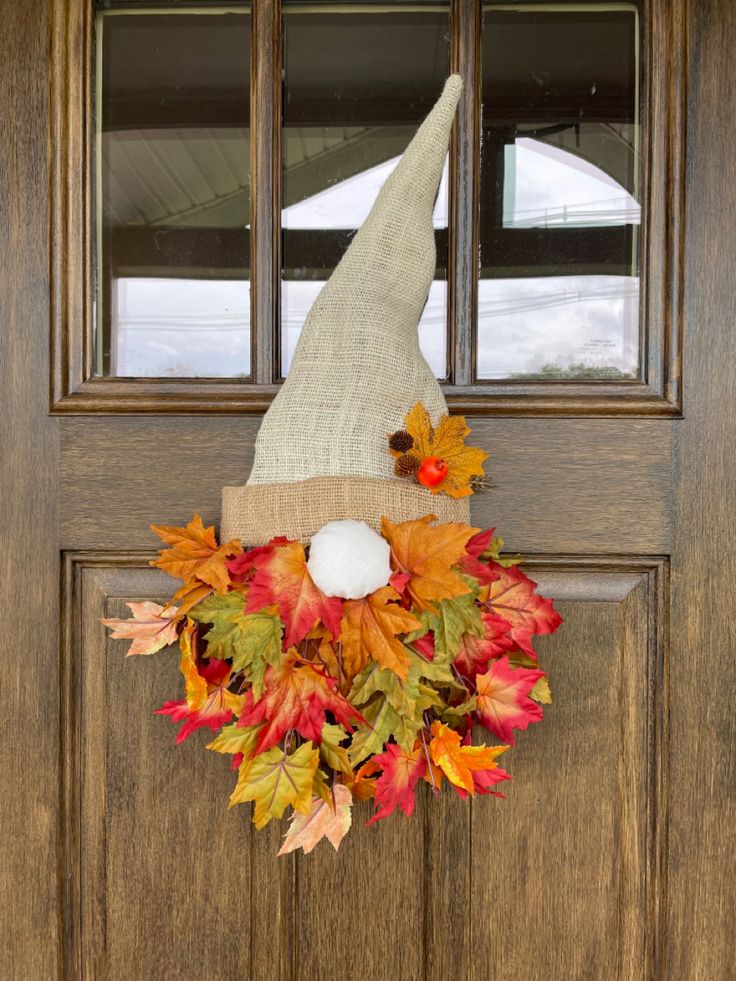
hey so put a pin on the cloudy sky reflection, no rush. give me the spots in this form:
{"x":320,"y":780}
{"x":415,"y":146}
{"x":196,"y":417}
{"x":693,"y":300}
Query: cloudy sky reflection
{"x":174,"y":327}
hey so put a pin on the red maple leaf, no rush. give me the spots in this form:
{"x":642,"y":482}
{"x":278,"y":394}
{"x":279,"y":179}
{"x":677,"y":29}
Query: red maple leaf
{"x":395,"y":787}
{"x":243,"y":565}
{"x":479,"y":543}
{"x":297,"y":694}
{"x":484,"y":781}
{"x":512,"y":596}
{"x":479,"y":570}
{"x":282,"y":579}
{"x":424,"y":645}
{"x":208,"y":702}
{"x":503,"y":702}
{"x":472,"y":564}
{"x":476,"y":652}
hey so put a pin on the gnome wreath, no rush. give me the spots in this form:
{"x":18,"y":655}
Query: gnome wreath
{"x":347,"y":652}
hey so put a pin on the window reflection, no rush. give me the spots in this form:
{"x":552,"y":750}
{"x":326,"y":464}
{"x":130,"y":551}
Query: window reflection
{"x":358,"y":81}
{"x":173,"y":191}
{"x":545,"y":186}
{"x":346,"y":206}
{"x":558,"y":327}
{"x":181,"y":328}
{"x":560,"y":186}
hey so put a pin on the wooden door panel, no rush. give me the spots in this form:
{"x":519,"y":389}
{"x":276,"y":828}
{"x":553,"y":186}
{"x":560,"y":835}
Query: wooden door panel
{"x":153,"y":856}
{"x":578,"y":843}
{"x":572,"y":486}
{"x":157,"y":885}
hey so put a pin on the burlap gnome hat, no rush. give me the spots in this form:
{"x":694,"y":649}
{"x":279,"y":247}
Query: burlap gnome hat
{"x":321,"y":453}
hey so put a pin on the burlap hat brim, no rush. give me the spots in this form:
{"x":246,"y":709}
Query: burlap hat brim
{"x":255,"y":513}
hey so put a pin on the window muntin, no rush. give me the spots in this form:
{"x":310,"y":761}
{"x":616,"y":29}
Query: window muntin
{"x":557,"y":297}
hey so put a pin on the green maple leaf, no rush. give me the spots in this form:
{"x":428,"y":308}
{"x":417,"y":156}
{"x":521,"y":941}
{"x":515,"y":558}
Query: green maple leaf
{"x":251,"y":641}
{"x":493,"y":552}
{"x":456,"y":616}
{"x":396,"y":708}
{"x":381,"y":719}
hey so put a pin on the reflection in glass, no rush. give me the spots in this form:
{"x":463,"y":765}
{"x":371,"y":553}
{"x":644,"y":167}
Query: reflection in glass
{"x":558,"y":327}
{"x":173,"y":193}
{"x":545,"y":187}
{"x":560,"y":190}
{"x":181,"y":328}
{"x":358,"y":81}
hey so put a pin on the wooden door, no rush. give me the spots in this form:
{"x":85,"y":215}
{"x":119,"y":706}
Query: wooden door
{"x":613,"y":855}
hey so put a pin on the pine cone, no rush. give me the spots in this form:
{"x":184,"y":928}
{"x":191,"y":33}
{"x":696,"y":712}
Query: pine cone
{"x":400,"y":441}
{"x":407,"y":465}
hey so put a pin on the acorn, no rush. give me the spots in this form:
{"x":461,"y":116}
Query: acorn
{"x":407,"y":465}
{"x":400,"y":442}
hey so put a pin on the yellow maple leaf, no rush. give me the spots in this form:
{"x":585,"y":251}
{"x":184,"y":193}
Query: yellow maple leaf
{"x":446,"y":441}
{"x":274,"y":780}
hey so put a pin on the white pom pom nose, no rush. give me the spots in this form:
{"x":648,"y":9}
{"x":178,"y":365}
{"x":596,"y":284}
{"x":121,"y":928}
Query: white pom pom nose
{"x":348,"y":559}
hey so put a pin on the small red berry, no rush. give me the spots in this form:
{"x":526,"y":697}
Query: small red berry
{"x":432,"y":471}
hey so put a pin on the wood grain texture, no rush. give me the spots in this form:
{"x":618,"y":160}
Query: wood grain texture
{"x":576,"y":849}
{"x":465,"y":22}
{"x":162,"y":892}
{"x":265,"y":114}
{"x":703,"y":784}
{"x":570,"y":486}
{"x":29,"y":580}
{"x":76,"y":390}
{"x":585,"y":850}
{"x":160,"y":887}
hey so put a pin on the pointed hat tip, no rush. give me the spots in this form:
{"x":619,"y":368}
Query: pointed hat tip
{"x":453,"y":86}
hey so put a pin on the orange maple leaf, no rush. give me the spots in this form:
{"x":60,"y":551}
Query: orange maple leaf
{"x":363,"y":784}
{"x":369,"y":629}
{"x":195,"y":554}
{"x":189,"y":595}
{"x":427,"y":553}
{"x":282,"y":579}
{"x":462,"y":764}
{"x":446,"y":441}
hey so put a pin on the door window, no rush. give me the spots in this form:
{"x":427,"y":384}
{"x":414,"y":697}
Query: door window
{"x":235,"y":152}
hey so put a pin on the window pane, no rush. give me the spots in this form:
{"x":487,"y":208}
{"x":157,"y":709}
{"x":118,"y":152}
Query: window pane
{"x":358,"y":81}
{"x":560,"y":189}
{"x":173,"y":194}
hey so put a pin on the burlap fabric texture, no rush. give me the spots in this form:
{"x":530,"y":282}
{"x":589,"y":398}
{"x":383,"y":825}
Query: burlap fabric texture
{"x":357,"y":370}
{"x":257,"y":513}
